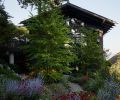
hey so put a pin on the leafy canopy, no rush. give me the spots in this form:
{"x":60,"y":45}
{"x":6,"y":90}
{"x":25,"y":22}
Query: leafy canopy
{"x":48,"y":36}
{"x":6,"y":27}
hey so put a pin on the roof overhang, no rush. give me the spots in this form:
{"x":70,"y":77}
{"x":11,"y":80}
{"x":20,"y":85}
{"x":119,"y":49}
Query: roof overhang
{"x":88,"y":17}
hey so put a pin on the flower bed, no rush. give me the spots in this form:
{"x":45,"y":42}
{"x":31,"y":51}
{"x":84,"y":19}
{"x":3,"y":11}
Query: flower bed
{"x":30,"y":88}
{"x":83,"y":95}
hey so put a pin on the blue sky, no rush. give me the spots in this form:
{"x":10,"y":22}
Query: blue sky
{"x":106,"y":8}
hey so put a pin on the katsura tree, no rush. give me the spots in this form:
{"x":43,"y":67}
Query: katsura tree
{"x":49,"y":51}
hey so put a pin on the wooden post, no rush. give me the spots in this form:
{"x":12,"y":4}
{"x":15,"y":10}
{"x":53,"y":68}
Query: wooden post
{"x":101,"y":38}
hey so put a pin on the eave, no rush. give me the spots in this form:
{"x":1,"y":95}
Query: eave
{"x":88,"y":17}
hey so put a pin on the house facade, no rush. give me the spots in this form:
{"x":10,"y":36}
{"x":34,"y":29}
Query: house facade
{"x":83,"y":17}
{"x":88,"y":18}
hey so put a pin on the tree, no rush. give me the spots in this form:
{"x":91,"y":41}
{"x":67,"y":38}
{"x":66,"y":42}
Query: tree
{"x":86,"y":40}
{"x":6,"y":31}
{"x":48,"y":39}
{"x":115,"y":68}
{"x":36,"y":2}
{"x":6,"y":27}
{"x":91,"y":57}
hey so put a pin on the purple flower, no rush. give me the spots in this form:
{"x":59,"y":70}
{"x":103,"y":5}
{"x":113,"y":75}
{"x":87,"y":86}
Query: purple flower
{"x":29,"y":87}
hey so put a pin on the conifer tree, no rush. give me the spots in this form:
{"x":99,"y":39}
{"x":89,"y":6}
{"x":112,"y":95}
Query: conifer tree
{"x":6,"y":30}
{"x":49,"y":49}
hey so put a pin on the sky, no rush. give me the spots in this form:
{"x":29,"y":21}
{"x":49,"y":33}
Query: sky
{"x":106,"y":8}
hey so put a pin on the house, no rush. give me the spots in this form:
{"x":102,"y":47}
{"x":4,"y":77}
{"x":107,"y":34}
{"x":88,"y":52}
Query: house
{"x":88,"y":18}
{"x":100,"y":23}
{"x":85,"y":17}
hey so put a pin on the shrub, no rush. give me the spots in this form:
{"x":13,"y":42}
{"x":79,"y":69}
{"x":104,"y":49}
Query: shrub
{"x":74,"y":79}
{"x":110,"y":90}
{"x":5,"y":74}
{"x":83,"y":95}
{"x":115,"y":69}
{"x":93,"y":84}
{"x":90,"y":85}
{"x":25,"y":88}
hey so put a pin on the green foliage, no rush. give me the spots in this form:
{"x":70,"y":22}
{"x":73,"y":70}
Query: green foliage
{"x":92,"y":85}
{"x":6,"y":33}
{"x":26,"y":3}
{"x":96,"y":82}
{"x":115,"y":69}
{"x":3,"y":15}
{"x":5,"y":72}
{"x":89,"y":51}
{"x":74,"y":79}
{"x":6,"y":28}
{"x":110,"y":90}
{"x":47,"y":50}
